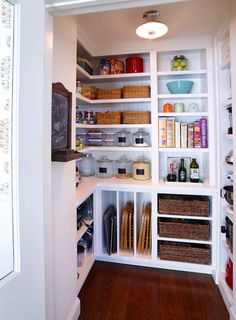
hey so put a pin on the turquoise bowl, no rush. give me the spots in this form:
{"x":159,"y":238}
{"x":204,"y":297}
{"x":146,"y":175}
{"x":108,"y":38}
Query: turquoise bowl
{"x":180,"y":86}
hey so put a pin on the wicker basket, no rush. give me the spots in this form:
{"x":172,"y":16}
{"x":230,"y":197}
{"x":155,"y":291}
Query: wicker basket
{"x":109,"y":117}
{"x":136,"y":92}
{"x":192,"y":253}
{"x":136,"y":117}
{"x":184,"y":205}
{"x":108,"y":93}
{"x":184,"y":229}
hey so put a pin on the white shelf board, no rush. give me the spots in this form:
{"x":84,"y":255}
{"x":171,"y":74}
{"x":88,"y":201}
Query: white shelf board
{"x":184,"y":240}
{"x":122,"y":149}
{"x":181,"y":73}
{"x":84,"y":270}
{"x":86,"y":187}
{"x":109,"y":101}
{"x":185,"y":184}
{"x":183,"y":114}
{"x":184,"y":266}
{"x":179,"y":150}
{"x":175,"y":216}
{"x":83,"y":75}
{"x":227,"y":249}
{"x":182,"y":96}
{"x":112,"y":126}
{"x":229,"y":212}
{"x":227,"y":292}
{"x":228,"y":136}
{"x":83,"y":228}
{"x":227,"y":103}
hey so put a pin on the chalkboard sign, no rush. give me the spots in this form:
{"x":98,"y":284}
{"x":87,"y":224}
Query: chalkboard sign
{"x":61,"y":117}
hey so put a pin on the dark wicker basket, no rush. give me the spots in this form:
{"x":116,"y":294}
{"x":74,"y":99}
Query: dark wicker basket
{"x":186,"y":205}
{"x":184,"y":229}
{"x":184,"y":252}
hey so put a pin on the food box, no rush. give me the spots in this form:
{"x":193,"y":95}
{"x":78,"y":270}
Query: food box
{"x":196,"y":135}
{"x":88,"y":91}
{"x":105,"y":67}
{"x":117,"y":66}
{"x":162,"y":132}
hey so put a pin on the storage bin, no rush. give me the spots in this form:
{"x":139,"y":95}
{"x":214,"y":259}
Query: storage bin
{"x":109,"y":135}
{"x":95,"y":142}
{"x":185,"y":252}
{"x":136,"y":92}
{"x":109,"y":142}
{"x":187,"y":205}
{"x":184,"y":229}
{"x":96,"y":134}
{"x":108,"y":93}
{"x":109,"y":117}
{"x":136,"y":117}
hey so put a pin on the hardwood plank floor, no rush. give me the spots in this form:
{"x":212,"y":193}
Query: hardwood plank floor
{"x":122,"y":292}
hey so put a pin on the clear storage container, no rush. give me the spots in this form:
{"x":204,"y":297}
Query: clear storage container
{"x":141,"y":169}
{"x":82,"y":136}
{"x":141,"y":139}
{"x":123,"y":168}
{"x":104,"y":167}
{"x":95,"y":142}
{"x":123,"y":138}
{"x":179,"y":63}
{"x":87,"y":165}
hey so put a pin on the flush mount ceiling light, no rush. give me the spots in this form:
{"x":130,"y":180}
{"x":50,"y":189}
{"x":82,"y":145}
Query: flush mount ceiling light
{"x":151,"y":29}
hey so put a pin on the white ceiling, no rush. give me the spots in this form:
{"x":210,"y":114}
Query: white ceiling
{"x":111,"y":31}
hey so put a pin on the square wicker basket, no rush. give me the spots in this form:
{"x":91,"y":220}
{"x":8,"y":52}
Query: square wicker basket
{"x":108,"y":93}
{"x":136,"y":117}
{"x":136,"y":92}
{"x":114,"y":117}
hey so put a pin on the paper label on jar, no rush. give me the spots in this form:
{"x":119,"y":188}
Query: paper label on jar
{"x":194,"y":173}
{"x":139,"y":140}
{"x":121,"y":171}
{"x":139,"y":172}
{"x":121,"y":139}
{"x":102,"y":170}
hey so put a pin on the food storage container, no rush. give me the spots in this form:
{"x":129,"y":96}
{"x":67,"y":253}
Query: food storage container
{"x":95,"y":142}
{"x":179,"y":63}
{"x":87,"y":165}
{"x":141,"y":169}
{"x":109,"y":142}
{"x":134,"y":64}
{"x":79,"y":144}
{"x":123,"y":168}
{"x":141,"y":139}
{"x":104,"y":167}
{"x":109,"y":135}
{"x":123,"y":138}
{"x":179,"y":107}
{"x":95,"y":134}
{"x":82,"y":136}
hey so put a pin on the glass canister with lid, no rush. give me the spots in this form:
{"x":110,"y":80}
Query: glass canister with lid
{"x":104,"y":167}
{"x":141,"y":139}
{"x":141,"y":169}
{"x":179,"y":63}
{"x":123,"y":138}
{"x":87,"y":165}
{"x":123,"y":168}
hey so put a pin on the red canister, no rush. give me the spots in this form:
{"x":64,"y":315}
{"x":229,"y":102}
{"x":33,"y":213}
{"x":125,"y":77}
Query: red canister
{"x":134,"y":64}
{"x":229,"y":273}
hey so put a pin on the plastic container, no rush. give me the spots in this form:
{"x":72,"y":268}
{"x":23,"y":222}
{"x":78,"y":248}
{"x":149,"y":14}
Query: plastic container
{"x":104,"y":167}
{"x":179,"y":63}
{"x":95,"y":142}
{"x":82,"y":136}
{"x":123,"y":138}
{"x":123,"y":168}
{"x":109,"y":135}
{"x":141,"y":139}
{"x":141,"y":169}
{"x":109,"y":142}
{"x":134,"y":65}
{"x":87,"y":165}
{"x":95,"y":134}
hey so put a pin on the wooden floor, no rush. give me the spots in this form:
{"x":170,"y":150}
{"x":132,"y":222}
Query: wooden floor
{"x":121,"y":292}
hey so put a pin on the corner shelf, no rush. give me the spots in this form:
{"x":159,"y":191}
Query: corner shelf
{"x":109,"y":101}
{"x":83,"y":228}
{"x":121,"y":149}
{"x":84,"y":270}
{"x":112,"y":126}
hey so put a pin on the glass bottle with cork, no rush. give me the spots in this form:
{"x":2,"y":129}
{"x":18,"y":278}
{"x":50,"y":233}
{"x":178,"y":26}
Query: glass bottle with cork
{"x":171,"y":177}
{"x":194,"y":171}
{"x":182,"y":174}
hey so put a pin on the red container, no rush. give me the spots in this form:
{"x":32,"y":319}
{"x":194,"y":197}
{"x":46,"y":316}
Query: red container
{"x":229,"y":274}
{"x":134,"y":64}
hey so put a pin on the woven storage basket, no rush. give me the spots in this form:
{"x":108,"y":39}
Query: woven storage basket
{"x":136,"y":92}
{"x":184,"y":229}
{"x":136,"y":117}
{"x":192,"y":253}
{"x":108,"y":93}
{"x":109,"y":117}
{"x":184,"y":205}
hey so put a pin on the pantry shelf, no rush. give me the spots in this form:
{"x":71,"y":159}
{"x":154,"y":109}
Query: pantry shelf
{"x":83,"y":229}
{"x":183,"y":114}
{"x":182,"y":96}
{"x":122,"y":149}
{"x":181,"y":73}
{"x":112,"y":126}
{"x":84,"y":270}
{"x":174,"y":216}
{"x":179,"y":150}
{"x":184,"y":240}
{"x":83,"y":99}
{"x":184,"y":266}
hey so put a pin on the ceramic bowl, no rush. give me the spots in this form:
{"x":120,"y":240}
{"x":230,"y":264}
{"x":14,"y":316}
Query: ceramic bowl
{"x":180,"y":86}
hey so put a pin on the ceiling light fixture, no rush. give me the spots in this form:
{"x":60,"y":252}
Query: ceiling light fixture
{"x":151,"y":29}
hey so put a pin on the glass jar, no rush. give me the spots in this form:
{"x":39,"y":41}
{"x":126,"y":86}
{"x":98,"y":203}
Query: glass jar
{"x":104,"y":167}
{"x":141,"y":169}
{"x":141,"y":139}
{"x":87,"y":165}
{"x":179,"y":63}
{"x":123,"y":138}
{"x":123,"y":168}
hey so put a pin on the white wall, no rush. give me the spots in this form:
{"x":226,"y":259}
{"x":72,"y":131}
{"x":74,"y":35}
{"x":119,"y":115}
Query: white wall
{"x":63,"y":179}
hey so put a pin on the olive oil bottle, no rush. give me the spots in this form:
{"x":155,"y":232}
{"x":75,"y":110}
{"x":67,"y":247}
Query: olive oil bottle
{"x":194,"y":171}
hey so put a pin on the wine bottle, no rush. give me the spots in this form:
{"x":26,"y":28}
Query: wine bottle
{"x":194,"y":171}
{"x":182,"y":174}
{"x":77,"y":177}
{"x":171,"y":175}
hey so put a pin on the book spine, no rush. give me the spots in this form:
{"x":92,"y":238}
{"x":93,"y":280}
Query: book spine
{"x":177,"y":134}
{"x":203,"y":130}
{"x":190,"y":135}
{"x":184,"y":134}
{"x":196,"y":135}
{"x":170,"y":132}
{"x":162,"y":132}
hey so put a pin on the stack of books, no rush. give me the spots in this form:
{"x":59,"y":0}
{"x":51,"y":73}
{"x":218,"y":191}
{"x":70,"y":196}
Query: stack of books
{"x":175,"y":134}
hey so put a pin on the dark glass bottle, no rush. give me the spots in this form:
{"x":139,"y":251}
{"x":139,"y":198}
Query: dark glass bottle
{"x":171,"y":175}
{"x":182,"y":174}
{"x":194,"y":171}
{"x":77,"y":177}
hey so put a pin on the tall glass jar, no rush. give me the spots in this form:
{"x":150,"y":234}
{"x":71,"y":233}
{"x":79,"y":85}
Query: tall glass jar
{"x":123,"y":138}
{"x":141,"y":169}
{"x":141,"y":139}
{"x":179,"y":63}
{"x":104,"y":167}
{"x":87,"y":165}
{"x":123,"y":167}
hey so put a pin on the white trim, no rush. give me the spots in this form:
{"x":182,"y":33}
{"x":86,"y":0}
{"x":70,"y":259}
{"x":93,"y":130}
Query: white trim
{"x":75,"y":311}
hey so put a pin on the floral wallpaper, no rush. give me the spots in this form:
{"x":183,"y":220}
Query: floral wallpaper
{"x":6,"y":91}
